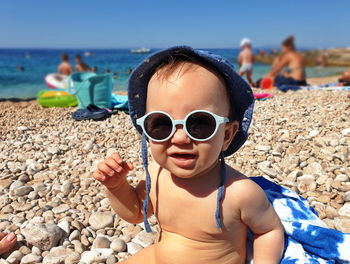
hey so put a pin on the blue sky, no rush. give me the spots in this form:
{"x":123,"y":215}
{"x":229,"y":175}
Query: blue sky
{"x":158,"y":24}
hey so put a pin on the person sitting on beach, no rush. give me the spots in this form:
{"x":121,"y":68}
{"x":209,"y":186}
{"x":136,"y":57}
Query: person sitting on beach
{"x":345,"y":79}
{"x":7,"y":242}
{"x":246,"y":60}
{"x":295,"y":63}
{"x":194,"y":110}
{"x":65,"y":67}
{"x":81,"y":66}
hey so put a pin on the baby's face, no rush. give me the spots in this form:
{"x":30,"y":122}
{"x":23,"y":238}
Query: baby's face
{"x":183,"y":91}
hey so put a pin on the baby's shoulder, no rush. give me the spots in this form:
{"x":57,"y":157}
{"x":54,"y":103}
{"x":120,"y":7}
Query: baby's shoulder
{"x":234,"y":177}
{"x":241,"y":187}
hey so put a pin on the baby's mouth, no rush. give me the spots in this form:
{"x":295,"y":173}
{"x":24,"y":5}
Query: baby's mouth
{"x":183,"y":156}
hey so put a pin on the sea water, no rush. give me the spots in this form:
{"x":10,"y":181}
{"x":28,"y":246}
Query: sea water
{"x":22,"y":71}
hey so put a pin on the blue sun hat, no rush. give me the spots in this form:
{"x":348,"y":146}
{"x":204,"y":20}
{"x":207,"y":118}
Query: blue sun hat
{"x":242,"y":103}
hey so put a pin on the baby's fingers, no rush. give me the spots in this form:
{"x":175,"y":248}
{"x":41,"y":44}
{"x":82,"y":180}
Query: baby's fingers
{"x":124,"y":165}
{"x":117,"y":158}
{"x":99,"y":176}
{"x":105,"y":169}
{"x":129,"y":166}
{"x":115,"y":165}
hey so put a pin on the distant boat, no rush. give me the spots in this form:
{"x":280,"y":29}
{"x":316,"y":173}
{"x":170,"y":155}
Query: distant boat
{"x":140,"y":51}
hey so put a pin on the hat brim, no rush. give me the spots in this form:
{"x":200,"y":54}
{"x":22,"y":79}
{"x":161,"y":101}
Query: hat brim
{"x":242,"y":98}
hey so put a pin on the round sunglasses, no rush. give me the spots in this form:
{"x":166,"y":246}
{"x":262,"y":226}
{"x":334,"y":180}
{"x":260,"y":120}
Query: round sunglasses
{"x":199,"y":125}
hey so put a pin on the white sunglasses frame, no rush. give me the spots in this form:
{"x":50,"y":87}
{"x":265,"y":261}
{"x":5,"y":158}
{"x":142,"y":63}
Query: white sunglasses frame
{"x":218,"y":120}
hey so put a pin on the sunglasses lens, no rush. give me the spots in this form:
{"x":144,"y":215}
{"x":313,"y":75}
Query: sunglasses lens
{"x":201,"y":125}
{"x":158,"y":126}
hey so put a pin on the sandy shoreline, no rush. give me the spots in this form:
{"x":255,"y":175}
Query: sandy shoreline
{"x":300,"y":140}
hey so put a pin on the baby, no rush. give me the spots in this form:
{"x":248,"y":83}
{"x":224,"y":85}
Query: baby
{"x":194,"y":110}
{"x":246,"y":60}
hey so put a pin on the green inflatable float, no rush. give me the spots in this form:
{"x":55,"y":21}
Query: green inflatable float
{"x":56,"y":99}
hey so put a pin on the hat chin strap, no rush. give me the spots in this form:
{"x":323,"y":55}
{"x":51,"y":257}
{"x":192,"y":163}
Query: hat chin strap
{"x":148,"y":181}
{"x":221,"y":189}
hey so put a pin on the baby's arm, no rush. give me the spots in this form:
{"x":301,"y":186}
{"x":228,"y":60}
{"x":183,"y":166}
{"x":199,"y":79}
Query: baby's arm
{"x":125,"y":200}
{"x":258,"y":214}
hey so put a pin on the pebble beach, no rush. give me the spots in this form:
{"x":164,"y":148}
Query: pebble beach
{"x":300,"y":140}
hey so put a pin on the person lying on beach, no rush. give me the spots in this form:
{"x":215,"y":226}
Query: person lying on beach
{"x":345,"y":79}
{"x":246,"y":60}
{"x":194,"y":110}
{"x":81,"y":66}
{"x":7,"y":242}
{"x":65,"y":67}
{"x":295,"y":63}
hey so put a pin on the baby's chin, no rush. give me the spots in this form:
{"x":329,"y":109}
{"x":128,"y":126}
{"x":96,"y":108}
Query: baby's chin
{"x":176,"y":171}
{"x":188,"y":173}
{"x":183,"y":175}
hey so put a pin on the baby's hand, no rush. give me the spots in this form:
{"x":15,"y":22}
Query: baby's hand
{"x":112,"y":171}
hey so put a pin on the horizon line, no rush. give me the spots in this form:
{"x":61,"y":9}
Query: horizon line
{"x":159,"y":48}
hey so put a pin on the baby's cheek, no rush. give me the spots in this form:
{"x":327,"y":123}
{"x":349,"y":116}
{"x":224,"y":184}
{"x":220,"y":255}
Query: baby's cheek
{"x":158,"y":152}
{"x":209,"y":153}
{"x":216,"y":144}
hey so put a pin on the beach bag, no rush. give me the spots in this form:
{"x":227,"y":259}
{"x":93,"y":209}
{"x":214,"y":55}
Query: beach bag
{"x":91,"y":88}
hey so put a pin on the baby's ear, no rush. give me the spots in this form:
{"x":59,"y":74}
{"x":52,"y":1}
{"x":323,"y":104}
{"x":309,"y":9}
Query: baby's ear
{"x":230,"y":132}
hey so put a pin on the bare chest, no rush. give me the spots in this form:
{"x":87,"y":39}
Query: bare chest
{"x":192,"y":212}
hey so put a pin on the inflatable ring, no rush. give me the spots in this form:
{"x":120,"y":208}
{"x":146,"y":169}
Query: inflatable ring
{"x":56,"y":81}
{"x":56,"y":99}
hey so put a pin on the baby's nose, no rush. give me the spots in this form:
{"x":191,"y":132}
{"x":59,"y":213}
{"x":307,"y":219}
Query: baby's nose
{"x":180,"y":136}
